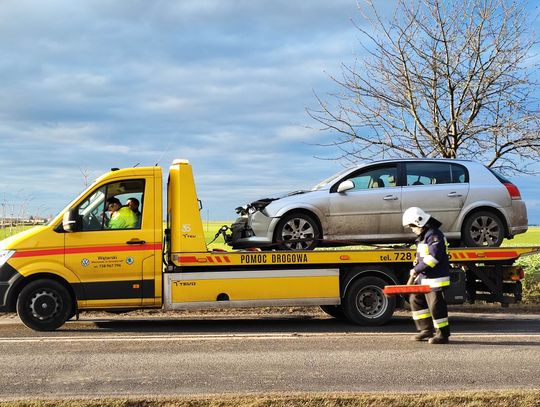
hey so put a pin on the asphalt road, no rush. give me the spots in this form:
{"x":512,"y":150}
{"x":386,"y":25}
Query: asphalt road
{"x":198,"y":356}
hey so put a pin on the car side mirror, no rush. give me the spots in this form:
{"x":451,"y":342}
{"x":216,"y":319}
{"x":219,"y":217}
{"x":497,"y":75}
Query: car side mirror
{"x":345,"y":186}
{"x":71,"y":221}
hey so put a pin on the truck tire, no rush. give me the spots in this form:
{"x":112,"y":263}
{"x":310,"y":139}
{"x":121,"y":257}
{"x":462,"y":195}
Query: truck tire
{"x":366,"y":304}
{"x":335,"y":311}
{"x":297,"y":231}
{"x":44,"y":305}
{"x":482,"y":229}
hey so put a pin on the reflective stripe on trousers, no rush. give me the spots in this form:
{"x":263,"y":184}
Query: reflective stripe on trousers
{"x":421,"y":314}
{"x":440,"y":323}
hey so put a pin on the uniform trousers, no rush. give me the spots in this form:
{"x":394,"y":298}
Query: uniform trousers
{"x":430,"y":312}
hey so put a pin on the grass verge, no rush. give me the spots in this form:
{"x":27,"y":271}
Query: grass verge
{"x":525,"y":398}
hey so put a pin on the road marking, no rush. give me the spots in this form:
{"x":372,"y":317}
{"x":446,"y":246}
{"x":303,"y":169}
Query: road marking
{"x":211,"y":337}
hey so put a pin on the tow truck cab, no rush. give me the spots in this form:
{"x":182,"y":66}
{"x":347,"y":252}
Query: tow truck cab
{"x":84,"y":262}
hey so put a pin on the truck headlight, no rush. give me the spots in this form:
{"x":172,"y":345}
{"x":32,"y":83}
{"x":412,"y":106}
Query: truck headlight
{"x":5,"y":255}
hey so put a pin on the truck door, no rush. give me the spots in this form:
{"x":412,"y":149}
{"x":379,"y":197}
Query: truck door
{"x":113,"y":257}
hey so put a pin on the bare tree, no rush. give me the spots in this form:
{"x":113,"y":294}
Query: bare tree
{"x":442,"y":78}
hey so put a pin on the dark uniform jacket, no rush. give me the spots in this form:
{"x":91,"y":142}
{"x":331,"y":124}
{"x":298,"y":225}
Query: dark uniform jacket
{"x":432,"y":262}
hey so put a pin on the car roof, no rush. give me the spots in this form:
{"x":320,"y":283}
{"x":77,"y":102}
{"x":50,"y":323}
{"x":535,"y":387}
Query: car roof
{"x":361,"y":165}
{"x":391,"y":160}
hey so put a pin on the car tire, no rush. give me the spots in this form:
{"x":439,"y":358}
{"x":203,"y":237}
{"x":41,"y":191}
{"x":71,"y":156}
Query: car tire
{"x":297,"y":231}
{"x":335,"y":311}
{"x":366,"y":304}
{"x":482,"y":229}
{"x":44,"y":305}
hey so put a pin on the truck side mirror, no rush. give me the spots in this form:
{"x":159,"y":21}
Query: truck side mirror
{"x":71,"y":221}
{"x":345,"y":186}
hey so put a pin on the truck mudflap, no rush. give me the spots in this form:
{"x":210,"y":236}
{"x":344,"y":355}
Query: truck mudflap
{"x":228,"y":289}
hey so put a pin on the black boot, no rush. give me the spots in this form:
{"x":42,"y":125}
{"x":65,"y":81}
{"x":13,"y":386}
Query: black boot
{"x":438,"y":340}
{"x":423,"y":335}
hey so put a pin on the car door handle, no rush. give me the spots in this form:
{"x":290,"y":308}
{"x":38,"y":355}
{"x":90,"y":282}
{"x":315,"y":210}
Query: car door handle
{"x":136,"y":241}
{"x":453,"y":195}
{"x":390,"y":198}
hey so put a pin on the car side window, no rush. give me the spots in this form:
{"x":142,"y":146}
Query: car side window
{"x":430,"y":173}
{"x":380,"y":177}
{"x":96,"y":214}
{"x":459,"y":174}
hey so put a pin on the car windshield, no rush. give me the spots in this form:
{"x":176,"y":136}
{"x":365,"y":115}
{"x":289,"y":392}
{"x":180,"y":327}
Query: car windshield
{"x":330,"y":179}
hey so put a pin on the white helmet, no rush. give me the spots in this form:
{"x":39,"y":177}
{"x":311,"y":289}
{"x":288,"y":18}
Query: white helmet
{"x":415,"y":216}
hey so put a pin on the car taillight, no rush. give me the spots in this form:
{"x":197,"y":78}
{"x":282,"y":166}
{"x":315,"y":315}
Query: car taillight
{"x":512,"y":190}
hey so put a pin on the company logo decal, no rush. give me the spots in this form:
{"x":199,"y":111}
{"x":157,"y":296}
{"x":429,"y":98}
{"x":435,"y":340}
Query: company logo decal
{"x":130,"y":260}
{"x":85,"y":262}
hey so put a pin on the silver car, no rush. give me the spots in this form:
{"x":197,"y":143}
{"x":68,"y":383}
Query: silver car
{"x":477,"y":207}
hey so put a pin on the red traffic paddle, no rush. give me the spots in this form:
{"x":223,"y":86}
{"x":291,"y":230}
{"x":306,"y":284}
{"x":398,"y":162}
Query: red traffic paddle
{"x":406,"y":289}
{"x":409,"y":288}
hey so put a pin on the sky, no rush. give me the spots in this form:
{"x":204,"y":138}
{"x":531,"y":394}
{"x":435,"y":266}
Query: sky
{"x":91,"y":85}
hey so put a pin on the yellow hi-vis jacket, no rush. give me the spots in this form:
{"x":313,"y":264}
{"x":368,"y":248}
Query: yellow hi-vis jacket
{"x":124,"y":218}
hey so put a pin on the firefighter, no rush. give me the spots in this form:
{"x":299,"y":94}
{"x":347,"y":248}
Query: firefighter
{"x":431,"y":267}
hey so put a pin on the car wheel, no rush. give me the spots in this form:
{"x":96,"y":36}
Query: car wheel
{"x":335,"y":311}
{"x":482,"y":229}
{"x":297,"y":231}
{"x":44,"y":305}
{"x":366,"y":304}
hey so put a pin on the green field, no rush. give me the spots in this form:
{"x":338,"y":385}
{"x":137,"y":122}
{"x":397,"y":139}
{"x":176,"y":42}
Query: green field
{"x":530,"y":238}
{"x":210,"y":229}
{"x":484,"y":398}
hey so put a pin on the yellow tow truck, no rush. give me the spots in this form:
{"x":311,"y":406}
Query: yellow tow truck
{"x":79,"y":262}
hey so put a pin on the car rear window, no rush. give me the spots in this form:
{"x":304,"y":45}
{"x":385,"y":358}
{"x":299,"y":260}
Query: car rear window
{"x":428,"y":173}
{"x":499,"y":176}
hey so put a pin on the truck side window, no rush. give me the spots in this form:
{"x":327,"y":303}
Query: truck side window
{"x":95,"y":212}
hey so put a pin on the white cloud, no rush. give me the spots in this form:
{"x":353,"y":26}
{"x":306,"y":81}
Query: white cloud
{"x":296,"y":133}
{"x":101,"y":84}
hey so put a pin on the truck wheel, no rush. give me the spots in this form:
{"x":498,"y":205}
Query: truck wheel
{"x":335,"y":311}
{"x":297,"y":231}
{"x":366,"y":304}
{"x":44,"y":305}
{"x":482,"y":229}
